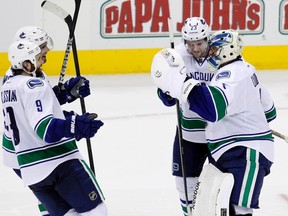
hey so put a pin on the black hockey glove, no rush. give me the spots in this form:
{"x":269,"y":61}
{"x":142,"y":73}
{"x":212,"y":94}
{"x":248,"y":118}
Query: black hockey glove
{"x":60,"y":94}
{"x":77,"y":87}
{"x":82,"y":126}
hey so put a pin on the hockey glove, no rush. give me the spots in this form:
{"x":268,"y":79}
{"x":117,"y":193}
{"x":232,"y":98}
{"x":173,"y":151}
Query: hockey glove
{"x":82,"y":126}
{"x":68,"y":114}
{"x":77,"y":87}
{"x":60,"y":94}
{"x":168,"y":72}
{"x":166,"y":98}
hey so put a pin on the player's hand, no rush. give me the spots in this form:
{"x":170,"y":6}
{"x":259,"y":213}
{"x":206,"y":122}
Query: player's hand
{"x":60,"y":94}
{"x":166,"y":98}
{"x":82,"y":126}
{"x":77,"y":87}
{"x":68,"y":114}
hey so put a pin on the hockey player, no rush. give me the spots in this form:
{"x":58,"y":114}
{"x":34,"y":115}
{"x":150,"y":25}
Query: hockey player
{"x":44,"y":139}
{"x":238,"y":134}
{"x":194,"y":52}
{"x":44,"y":41}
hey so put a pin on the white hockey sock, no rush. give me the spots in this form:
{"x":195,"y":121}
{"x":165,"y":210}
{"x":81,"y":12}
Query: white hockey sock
{"x":100,"y":210}
{"x":191,"y":183}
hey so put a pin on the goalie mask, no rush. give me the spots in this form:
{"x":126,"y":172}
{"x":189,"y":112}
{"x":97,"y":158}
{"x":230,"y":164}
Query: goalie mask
{"x":225,"y":46}
{"x":21,"y":51}
{"x":34,"y":34}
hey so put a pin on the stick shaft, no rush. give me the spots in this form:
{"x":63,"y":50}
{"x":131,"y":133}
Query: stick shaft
{"x":62,"y":14}
{"x":58,"y":11}
{"x":179,"y":128}
{"x":78,"y":73}
{"x":281,"y":136}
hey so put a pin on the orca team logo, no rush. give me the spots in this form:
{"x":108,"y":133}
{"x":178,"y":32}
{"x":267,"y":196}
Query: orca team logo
{"x":22,"y":35}
{"x":93,"y":195}
{"x":222,"y":75}
{"x":33,"y":83}
{"x":20,"y":46}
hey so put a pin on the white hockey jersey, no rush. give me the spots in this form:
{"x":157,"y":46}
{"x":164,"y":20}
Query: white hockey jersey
{"x":193,"y":126}
{"x":238,"y":108}
{"x":28,"y":104}
{"x":8,"y":150}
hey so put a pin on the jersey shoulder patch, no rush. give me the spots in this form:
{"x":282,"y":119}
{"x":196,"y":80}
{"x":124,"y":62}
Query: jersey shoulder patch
{"x":223,"y":74}
{"x":33,"y":83}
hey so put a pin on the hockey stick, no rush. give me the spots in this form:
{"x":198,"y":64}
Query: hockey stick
{"x":180,"y":137}
{"x":61,"y":13}
{"x":281,"y":136}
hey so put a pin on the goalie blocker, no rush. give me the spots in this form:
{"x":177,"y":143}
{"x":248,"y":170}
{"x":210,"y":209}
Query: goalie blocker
{"x":212,"y":192}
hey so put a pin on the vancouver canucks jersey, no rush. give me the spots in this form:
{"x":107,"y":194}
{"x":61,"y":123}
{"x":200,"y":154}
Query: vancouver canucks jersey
{"x":29,"y":104}
{"x":193,"y":126}
{"x":8,"y":153}
{"x":236,"y":106}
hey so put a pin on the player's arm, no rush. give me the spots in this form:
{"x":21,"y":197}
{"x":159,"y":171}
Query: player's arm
{"x":73,"y":126}
{"x":46,"y":117}
{"x":209,"y":102}
{"x":267,"y":104}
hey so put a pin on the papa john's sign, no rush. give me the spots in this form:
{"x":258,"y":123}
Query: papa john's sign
{"x":283,"y":14}
{"x":149,"y":18}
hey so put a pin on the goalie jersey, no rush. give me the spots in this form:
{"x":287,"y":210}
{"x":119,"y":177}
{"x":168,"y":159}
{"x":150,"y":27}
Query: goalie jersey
{"x":29,"y":104}
{"x":237,"y":108}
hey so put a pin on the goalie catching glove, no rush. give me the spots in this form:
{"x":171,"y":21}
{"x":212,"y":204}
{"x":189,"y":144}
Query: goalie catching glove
{"x":76,"y":87}
{"x":168,"y":73}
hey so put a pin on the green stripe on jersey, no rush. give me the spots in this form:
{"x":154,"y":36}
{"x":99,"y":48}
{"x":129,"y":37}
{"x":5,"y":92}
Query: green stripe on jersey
{"x":41,"y":129}
{"x":7,"y":143}
{"x":219,"y":101}
{"x":47,"y":153}
{"x":214,"y":145}
{"x":192,"y":123}
{"x":271,"y":114}
{"x":92,"y":176}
